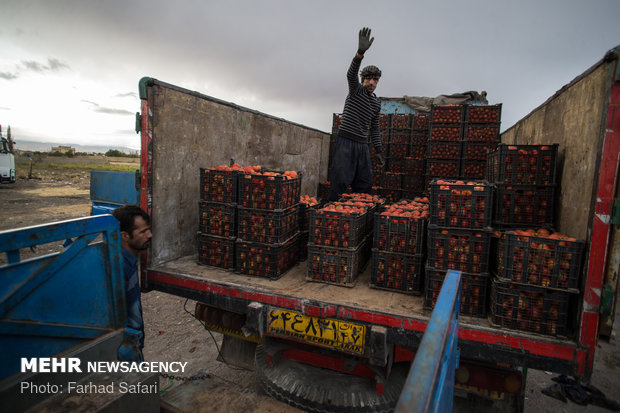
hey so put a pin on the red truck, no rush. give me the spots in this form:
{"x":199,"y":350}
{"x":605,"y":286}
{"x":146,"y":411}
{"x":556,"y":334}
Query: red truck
{"x":374,"y":333}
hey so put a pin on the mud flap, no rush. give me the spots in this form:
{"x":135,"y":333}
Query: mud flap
{"x":237,"y":352}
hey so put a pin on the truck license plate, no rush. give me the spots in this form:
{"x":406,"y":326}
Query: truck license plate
{"x":325,"y":332}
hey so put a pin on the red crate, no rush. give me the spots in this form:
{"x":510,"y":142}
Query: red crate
{"x":458,"y":249}
{"x":523,"y":164}
{"x":269,"y":192}
{"x":484,"y":113}
{"x":454,"y":204}
{"x":523,"y":206}
{"x":443,"y":168}
{"x":402,"y":121}
{"x":218,"y":186}
{"x":444,"y":150}
{"x":447,"y":113}
{"x":217,"y":218}
{"x":450,"y":133}
{"x":421,"y":122}
{"x":481,"y":133}
{"x":337,"y":229}
{"x":473,"y":292}
{"x":216,"y":251}
{"x":404,"y":235}
{"x":540,"y":261}
{"x":397,"y":272}
{"x":266,"y":260}
{"x":267,"y":226}
{"x":529,"y":308}
{"x":473,"y":169}
{"x":338,"y":266}
{"x":476,"y":151}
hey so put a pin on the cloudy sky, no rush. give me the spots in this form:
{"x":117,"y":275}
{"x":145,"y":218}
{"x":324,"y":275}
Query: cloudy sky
{"x":69,"y":69}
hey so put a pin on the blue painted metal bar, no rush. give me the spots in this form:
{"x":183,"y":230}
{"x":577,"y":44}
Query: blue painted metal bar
{"x":39,"y":329}
{"x":430,"y":383}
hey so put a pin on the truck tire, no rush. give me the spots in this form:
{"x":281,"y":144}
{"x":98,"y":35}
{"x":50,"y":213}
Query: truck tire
{"x":314,"y":389}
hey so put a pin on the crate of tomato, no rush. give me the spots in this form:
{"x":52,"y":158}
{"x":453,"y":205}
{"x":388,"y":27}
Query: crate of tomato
{"x":447,"y":113}
{"x":267,"y":225}
{"x":219,"y":184}
{"x":216,"y":251}
{"x":484,"y":113}
{"x":523,"y":164}
{"x":462,"y":204}
{"x":523,"y":206}
{"x":465,"y":250}
{"x":338,"y":225}
{"x":269,"y":189}
{"x":306,"y":203}
{"x":338,"y":266}
{"x":401,"y":227}
{"x":397,"y":272}
{"x":473,"y":292}
{"x":540,"y":257}
{"x":216,"y":218}
{"x":266,"y":260}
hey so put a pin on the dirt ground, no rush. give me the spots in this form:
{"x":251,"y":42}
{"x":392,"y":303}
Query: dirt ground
{"x":174,"y":335}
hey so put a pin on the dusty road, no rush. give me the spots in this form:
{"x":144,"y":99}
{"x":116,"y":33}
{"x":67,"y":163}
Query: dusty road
{"x":174,"y":335}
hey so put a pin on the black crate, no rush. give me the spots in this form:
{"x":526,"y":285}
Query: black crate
{"x":413,"y":183}
{"x":338,"y":266}
{"x":390,"y":195}
{"x":402,"y":121}
{"x":421,"y":122}
{"x":523,"y":164}
{"x":384,"y":135}
{"x":269,"y":192}
{"x":444,"y":150}
{"x":404,"y":235}
{"x":384,"y":121}
{"x":458,"y":249}
{"x":266,"y":260}
{"x":473,"y":132}
{"x":461,"y":205}
{"x":484,"y":113}
{"x":523,"y":206}
{"x":216,"y":251}
{"x":397,"y":272}
{"x":267,"y":226}
{"x":529,"y":308}
{"x":322,"y":191}
{"x":408,"y":165}
{"x":418,"y":151}
{"x":419,"y":138}
{"x":443,"y":168}
{"x":478,"y":151}
{"x":215,"y":218}
{"x":337,"y":229}
{"x":540,"y":261}
{"x":398,"y":150}
{"x":473,"y":169}
{"x":473,"y":292}
{"x":402,"y":137}
{"x":304,"y":214}
{"x":446,"y":133}
{"x":218,"y":186}
{"x":391,"y":180}
{"x":304,"y":236}
{"x":447,"y":113}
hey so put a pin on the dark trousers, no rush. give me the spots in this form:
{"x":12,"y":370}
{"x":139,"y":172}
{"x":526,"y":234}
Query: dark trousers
{"x":350,"y":166}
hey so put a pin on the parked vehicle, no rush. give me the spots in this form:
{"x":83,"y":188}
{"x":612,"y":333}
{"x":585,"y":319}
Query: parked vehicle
{"x":7,"y":162}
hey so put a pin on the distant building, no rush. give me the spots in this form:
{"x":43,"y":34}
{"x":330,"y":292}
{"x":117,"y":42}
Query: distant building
{"x":63,"y":149}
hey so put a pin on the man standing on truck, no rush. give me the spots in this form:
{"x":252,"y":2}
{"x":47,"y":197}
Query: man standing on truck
{"x":135,"y":227}
{"x":351,"y":163}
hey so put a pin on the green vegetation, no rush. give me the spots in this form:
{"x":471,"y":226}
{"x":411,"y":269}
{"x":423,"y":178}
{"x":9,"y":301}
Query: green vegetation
{"x":77,"y":166}
{"x":117,"y":153}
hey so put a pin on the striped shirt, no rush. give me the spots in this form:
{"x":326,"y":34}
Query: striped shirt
{"x":360,"y":116}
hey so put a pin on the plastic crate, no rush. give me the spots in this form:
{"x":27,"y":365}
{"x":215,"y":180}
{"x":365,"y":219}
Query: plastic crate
{"x":390,"y":195}
{"x":269,"y":192}
{"x":398,"y":150}
{"x":384,"y":135}
{"x":421,"y":122}
{"x":304,"y":214}
{"x":444,"y":150}
{"x":545,"y":262}
{"x":477,"y":151}
{"x":473,"y":293}
{"x":267,"y":226}
{"x":473,"y":169}
{"x":484,"y":113}
{"x":447,"y":113}
{"x":529,"y":308}
{"x":337,"y":229}
{"x":402,"y":137}
{"x":418,"y":151}
{"x":397,"y":272}
{"x":458,"y":249}
{"x":304,"y":236}
{"x":419,"y":138}
{"x":322,"y":190}
{"x":391,"y":180}
{"x":338,"y":266}
{"x":443,"y":168}
{"x":481,"y":133}
{"x":217,"y":218}
{"x":384,"y":121}
{"x":218,"y":186}
{"x":266,"y":260}
{"x":461,"y":205}
{"x":523,"y":206}
{"x":402,"y":121}
{"x":403,"y":235}
{"x":523,"y":164}
{"x":413,"y":183}
{"x":450,"y":133}
{"x":216,"y":251}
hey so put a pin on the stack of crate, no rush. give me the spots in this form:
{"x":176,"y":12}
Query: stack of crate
{"x":460,"y":137}
{"x":268,"y":223}
{"x":306,"y":203}
{"x":339,"y":241}
{"x":459,"y":237}
{"x":399,"y":246}
{"x":217,"y":219}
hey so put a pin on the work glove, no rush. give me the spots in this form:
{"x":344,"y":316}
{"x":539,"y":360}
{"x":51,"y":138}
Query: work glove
{"x":129,"y":350}
{"x":364,"y":40}
{"x":381,"y":160}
